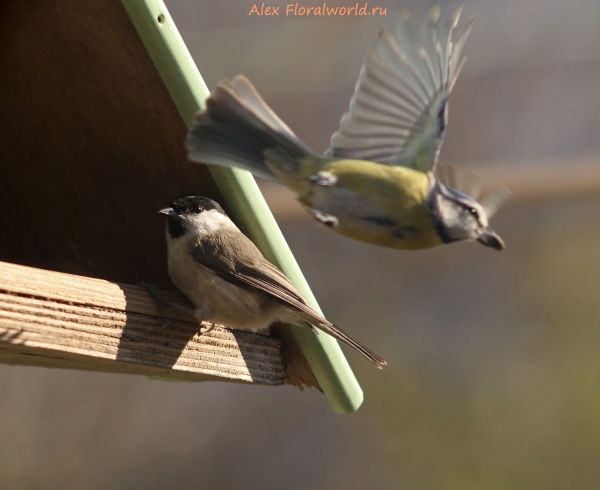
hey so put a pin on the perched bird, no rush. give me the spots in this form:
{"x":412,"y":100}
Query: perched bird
{"x":377,"y":182}
{"x":228,"y":280}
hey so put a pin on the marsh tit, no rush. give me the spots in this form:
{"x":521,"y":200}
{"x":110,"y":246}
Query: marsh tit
{"x":377,"y":182}
{"x":227,"y":278}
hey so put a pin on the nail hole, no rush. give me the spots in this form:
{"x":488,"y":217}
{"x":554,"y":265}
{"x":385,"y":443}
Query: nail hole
{"x":161,"y":18}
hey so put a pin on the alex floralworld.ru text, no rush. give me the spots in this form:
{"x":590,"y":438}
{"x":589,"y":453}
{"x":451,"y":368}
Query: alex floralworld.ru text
{"x":293,"y":9}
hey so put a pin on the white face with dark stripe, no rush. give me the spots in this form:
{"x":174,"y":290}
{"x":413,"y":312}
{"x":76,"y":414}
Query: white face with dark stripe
{"x":460,"y":217}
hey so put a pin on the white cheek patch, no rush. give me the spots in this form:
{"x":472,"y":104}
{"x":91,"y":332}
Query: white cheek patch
{"x":451,"y":214}
{"x":459,"y":223}
{"x":209,"y":222}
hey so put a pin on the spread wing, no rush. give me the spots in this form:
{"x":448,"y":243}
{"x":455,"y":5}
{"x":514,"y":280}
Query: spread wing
{"x":236,"y":259}
{"x":399,"y":110}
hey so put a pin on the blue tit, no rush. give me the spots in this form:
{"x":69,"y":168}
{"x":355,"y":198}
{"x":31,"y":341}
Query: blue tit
{"x":377,"y":182}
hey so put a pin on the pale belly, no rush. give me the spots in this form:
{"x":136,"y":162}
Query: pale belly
{"x":362,"y":219}
{"x":219,"y":301}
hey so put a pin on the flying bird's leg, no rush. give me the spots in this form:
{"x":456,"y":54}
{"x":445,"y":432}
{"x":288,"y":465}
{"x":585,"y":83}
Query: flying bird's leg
{"x":323,"y":178}
{"x":327,"y":219}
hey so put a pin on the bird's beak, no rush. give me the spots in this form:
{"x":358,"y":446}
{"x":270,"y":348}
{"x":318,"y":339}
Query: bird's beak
{"x":168,"y":212}
{"x":490,"y":239}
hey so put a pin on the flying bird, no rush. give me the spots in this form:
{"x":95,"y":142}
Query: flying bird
{"x":378,"y":182}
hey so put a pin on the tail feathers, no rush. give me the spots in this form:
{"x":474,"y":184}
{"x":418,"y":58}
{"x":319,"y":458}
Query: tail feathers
{"x":237,"y":127}
{"x":342,"y":336}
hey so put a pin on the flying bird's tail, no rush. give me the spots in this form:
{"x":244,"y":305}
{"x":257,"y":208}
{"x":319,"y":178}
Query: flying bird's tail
{"x":236,"y":129}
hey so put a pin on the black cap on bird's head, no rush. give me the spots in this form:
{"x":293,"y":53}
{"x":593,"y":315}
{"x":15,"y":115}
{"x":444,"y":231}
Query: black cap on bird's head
{"x":187,"y":208}
{"x":190,"y":204}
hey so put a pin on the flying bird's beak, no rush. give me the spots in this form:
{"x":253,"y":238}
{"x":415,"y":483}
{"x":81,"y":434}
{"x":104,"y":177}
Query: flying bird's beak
{"x":489,"y":238}
{"x":168,"y":212}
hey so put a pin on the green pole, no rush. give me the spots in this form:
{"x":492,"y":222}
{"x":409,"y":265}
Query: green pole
{"x":248,"y":207}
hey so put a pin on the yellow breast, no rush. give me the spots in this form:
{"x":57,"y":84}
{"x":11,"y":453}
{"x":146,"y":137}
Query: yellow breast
{"x":374,"y":203}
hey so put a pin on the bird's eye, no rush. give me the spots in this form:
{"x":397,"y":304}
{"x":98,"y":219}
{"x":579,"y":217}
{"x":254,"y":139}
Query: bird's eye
{"x":198,"y":209}
{"x":474,"y":212}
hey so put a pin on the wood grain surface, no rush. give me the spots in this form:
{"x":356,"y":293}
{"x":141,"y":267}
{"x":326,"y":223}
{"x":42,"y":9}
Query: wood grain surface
{"x":61,"y":320}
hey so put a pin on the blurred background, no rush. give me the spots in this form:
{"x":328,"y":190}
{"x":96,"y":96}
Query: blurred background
{"x":494,"y":358}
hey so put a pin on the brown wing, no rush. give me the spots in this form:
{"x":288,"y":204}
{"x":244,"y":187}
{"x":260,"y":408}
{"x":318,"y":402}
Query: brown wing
{"x":270,"y":279}
{"x":233,"y":257}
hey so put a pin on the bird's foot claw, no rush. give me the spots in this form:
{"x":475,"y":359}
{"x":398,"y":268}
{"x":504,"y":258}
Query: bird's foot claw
{"x":208,"y":329}
{"x":154,"y":291}
{"x":166,"y":323}
{"x":164,"y":302}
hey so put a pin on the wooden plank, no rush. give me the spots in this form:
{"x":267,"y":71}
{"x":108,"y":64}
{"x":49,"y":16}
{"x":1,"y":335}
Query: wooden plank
{"x":93,"y":146}
{"x":54,"y":319}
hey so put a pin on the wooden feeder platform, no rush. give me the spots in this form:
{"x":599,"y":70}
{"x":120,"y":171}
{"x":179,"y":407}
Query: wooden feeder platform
{"x":95,"y":97}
